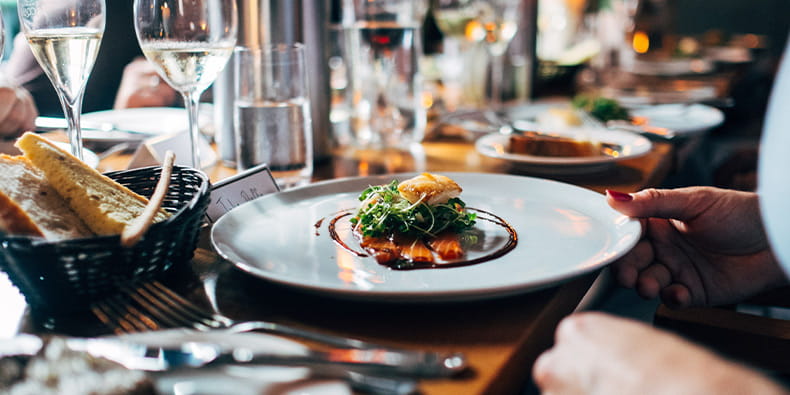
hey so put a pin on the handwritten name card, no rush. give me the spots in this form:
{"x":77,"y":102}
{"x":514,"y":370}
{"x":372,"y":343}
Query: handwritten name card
{"x":241,"y":188}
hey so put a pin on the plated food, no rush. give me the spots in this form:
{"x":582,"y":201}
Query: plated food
{"x":602,"y":108}
{"x":419,"y":221}
{"x":542,"y":144}
{"x":570,"y":151}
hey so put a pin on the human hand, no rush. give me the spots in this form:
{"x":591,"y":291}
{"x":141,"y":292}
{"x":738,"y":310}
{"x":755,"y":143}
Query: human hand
{"x":700,"y":246}
{"x":599,"y":354}
{"x":17,"y":111}
{"x":141,"y":86}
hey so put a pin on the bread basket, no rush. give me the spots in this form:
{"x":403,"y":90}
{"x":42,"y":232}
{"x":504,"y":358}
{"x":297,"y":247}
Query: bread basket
{"x":66,"y":276}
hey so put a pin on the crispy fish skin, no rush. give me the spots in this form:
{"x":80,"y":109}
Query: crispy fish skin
{"x":432,"y":189}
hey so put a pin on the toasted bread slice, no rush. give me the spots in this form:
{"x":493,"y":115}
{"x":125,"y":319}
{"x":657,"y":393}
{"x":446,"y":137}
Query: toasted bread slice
{"x":103,"y":204}
{"x":30,"y":206}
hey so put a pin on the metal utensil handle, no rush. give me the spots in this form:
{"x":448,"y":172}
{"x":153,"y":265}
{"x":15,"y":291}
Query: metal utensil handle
{"x":455,"y":361}
{"x":372,"y":362}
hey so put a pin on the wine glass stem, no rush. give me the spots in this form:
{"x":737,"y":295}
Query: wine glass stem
{"x":72,"y":112}
{"x":192,"y":101}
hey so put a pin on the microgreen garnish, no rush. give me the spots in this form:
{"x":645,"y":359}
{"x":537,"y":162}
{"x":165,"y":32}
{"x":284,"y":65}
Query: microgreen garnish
{"x":384,"y":211}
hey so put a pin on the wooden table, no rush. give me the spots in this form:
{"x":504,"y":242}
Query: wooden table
{"x":501,"y":337}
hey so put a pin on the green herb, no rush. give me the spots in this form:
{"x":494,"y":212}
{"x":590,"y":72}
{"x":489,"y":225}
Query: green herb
{"x":601,"y":108}
{"x":384,"y":211}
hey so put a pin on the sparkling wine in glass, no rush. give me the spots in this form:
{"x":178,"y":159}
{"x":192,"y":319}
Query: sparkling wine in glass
{"x":64,"y":36}
{"x":189,"y":42}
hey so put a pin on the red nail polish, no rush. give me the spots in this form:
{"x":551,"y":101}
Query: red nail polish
{"x":619,"y":196}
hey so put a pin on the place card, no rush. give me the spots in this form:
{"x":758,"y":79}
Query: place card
{"x":240,"y":188}
{"x":152,"y":150}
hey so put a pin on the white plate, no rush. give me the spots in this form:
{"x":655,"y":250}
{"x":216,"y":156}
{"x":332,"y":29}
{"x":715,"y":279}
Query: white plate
{"x":495,"y":145}
{"x":149,"y":121}
{"x":684,"y":119}
{"x":563,"y":231}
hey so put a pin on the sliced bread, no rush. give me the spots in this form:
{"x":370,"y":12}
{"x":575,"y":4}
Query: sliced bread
{"x":103,"y":204}
{"x":30,"y":206}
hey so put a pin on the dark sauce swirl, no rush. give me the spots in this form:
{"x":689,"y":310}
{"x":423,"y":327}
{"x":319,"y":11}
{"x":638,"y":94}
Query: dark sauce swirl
{"x":410,"y":265}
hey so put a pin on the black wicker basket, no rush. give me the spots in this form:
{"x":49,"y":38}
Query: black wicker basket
{"x":63,"y":276}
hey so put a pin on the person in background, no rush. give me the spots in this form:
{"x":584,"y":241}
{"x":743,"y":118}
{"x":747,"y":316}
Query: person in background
{"x":17,"y":110}
{"x":119,"y":58}
{"x":141,"y":86}
{"x":700,"y":246}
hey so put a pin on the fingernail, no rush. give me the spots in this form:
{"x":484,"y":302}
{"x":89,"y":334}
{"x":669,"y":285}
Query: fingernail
{"x":619,"y":196}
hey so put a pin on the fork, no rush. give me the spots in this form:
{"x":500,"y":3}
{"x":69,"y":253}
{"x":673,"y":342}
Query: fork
{"x":162,"y":307}
{"x":645,"y":130}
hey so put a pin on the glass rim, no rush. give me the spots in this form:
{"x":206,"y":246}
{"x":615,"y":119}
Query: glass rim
{"x":282,"y":48}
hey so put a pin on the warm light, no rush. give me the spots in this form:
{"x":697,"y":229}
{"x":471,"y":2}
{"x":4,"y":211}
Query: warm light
{"x":475,"y":31}
{"x":427,"y":100}
{"x":346,"y":266}
{"x":688,"y":46}
{"x":165,"y":11}
{"x":641,"y":42}
{"x":363,"y":168}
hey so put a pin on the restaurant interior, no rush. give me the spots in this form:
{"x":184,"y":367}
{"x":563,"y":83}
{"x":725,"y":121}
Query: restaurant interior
{"x":364,"y":196}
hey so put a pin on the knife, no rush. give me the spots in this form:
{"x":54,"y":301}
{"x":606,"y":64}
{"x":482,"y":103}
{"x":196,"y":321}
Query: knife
{"x":337,"y":361}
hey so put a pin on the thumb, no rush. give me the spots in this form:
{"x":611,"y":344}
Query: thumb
{"x":681,"y":204}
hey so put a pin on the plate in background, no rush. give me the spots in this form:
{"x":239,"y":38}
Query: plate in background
{"x":146,"y":122}
{"x":683,"y":119}
{"x":496,"y":145}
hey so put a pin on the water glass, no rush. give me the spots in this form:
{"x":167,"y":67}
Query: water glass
{"x":272,"y":112}
{"x":383,"y":50}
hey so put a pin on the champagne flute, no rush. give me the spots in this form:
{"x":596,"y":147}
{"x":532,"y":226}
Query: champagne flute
{"x":189,"y":42}
{"x":64,"y":36}
{"x":492,"y":24}
{"x":458,"y":53}
{"x":495,"y":26}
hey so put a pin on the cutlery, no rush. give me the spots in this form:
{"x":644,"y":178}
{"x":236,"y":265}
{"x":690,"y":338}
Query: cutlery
{"x":195,"y":355}
{"x":156,"y":307}
{"x":192,"y":355}
{"x":640,"y":127}
{"x":643,"y":129}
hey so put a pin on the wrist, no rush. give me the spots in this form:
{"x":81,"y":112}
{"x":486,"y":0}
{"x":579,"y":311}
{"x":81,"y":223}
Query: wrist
{"x":735,"y":379}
